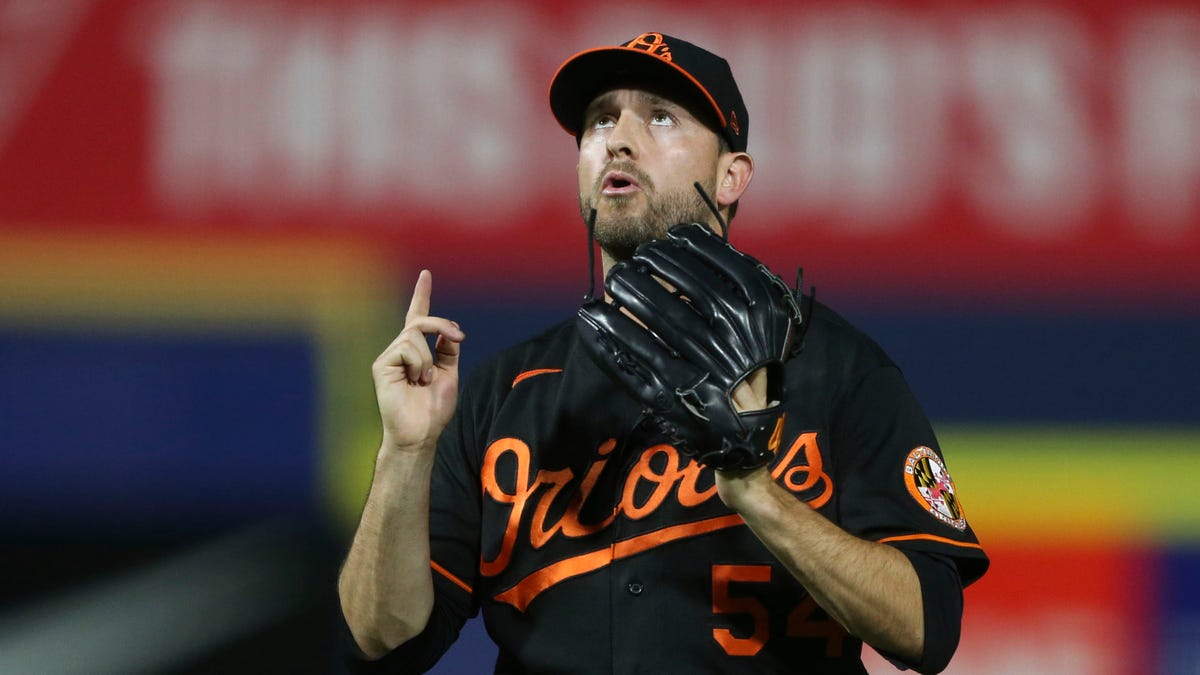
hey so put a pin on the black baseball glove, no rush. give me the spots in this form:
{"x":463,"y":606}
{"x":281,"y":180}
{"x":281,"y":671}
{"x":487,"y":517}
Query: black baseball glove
{"x":690,"y":318}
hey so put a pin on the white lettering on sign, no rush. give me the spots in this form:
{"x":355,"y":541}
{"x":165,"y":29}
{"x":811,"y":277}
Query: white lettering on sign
{"x":853,"y":123}
{"x":268,"y":109}
{"x":872,"y":121}
{"x":1159,"y":98}
{"x":1034,"y":171}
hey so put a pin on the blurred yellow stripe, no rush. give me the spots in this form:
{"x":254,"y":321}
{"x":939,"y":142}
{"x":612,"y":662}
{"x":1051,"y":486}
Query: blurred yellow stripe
{"x":338,"y":292}
{"x":156,"y":279}
{"x":1078,"y":485}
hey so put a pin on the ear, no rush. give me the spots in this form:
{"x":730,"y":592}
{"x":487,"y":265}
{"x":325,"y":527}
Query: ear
{"x":735,"y":169}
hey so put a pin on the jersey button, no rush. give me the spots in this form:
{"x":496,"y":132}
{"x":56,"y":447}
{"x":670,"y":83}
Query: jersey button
{"x":635,"y":588}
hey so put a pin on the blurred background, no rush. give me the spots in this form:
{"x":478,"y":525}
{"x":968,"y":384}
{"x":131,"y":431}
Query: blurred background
{"x":212,"y":213}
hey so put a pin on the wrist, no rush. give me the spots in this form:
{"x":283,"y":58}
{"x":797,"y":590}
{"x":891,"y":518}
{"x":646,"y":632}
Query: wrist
{"x":393,"y":454}
{"x":742,"y":488}
{"x":394,"y":443}
{"x":751,"y":394}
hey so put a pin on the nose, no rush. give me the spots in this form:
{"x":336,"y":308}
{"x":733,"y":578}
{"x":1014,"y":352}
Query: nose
{"x":622,"y":141}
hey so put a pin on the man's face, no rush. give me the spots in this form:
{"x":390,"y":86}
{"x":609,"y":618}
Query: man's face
{"x":639,"y":155}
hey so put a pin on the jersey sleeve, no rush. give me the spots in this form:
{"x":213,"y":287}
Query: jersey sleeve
{"x":894,"y":485}
{"x":454,"y":554}
{"x":454,"y":508}
{"x":417,"y":655}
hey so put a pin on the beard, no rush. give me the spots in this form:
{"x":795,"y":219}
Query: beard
{"x":623,"y":227}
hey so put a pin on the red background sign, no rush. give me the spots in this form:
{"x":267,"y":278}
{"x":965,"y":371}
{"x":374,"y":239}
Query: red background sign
{"x":1021,"y":154}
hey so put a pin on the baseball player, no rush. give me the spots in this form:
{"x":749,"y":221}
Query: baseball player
{"x":703,"y":471}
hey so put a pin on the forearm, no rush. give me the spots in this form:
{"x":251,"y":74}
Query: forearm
{"x":869,"y":588}
{"x":385,"y":586}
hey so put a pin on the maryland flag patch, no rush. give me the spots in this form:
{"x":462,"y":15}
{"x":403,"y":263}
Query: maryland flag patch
{"x":929,"y":483}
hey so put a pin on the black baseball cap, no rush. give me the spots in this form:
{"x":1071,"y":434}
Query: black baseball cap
{"x":657,"y":59}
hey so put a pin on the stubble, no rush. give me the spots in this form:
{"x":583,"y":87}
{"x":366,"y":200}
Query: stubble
{"x":622,"y":224}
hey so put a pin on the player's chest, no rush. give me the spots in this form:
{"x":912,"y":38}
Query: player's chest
{"x":580,"y":490}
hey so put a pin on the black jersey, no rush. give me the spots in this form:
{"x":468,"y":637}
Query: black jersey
{"x":592,"y":545}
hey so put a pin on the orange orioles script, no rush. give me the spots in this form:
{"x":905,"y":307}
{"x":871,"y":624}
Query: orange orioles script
{"x":531,"y":497}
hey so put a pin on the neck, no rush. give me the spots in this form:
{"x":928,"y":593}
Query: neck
{"x":606,"y":263}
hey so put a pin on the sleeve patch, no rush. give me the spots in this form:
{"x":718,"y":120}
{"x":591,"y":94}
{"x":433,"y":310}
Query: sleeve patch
{"x":930,"y":485}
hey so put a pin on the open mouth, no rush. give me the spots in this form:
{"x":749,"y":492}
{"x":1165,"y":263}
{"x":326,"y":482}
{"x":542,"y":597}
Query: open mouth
{"x":618,"y":182}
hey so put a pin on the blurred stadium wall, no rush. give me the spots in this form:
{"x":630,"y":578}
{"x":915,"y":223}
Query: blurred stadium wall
{"x":212,"y":212}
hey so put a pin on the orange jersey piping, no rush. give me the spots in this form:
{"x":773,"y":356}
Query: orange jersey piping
{"x":531,"y":373}
{"x":453,"y":579}
{"x":530,"y":587}
{"x":929,"y":537}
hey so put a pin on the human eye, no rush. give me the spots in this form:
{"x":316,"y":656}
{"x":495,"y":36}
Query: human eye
{"x":662,"y":118}
{"x":604,"y":121}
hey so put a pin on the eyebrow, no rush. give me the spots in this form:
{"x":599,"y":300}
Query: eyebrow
{"x":606,"y":99}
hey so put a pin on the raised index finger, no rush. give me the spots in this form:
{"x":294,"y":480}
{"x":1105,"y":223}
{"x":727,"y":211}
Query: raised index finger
{"x":419,"y":307}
